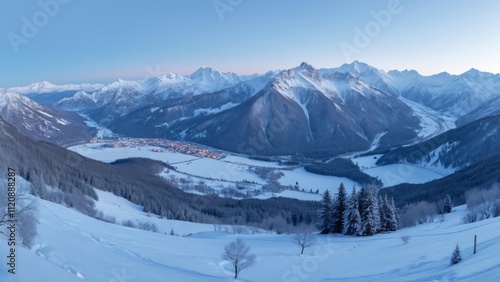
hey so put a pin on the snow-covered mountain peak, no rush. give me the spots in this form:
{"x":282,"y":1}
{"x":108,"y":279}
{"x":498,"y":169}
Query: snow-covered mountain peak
{"x":368,"y":74}
{"x":304,"y":70}
{"x":206,"y":80}
{"x":11,"y":100}
{"x":476,"y":74}
{"x":171,"y":76}
{"x":47,"y":87}
{"x":358,"y":67}
{"x":210,"y":74}
{"x":5,"y":98}
{"x":443,"y":75}
{"x":304,"y":76}
{"x":42,"y":85}
{"x":330,"y":82}
{"x":472,"y":71}
{"x":306,"y":67}
{"x":405,"y":72}
{"x":166,"y":81}
{"x":121,"y":84}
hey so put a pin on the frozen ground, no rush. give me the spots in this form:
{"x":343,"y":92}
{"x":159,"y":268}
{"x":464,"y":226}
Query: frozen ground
{"x":74,"y":247}
{"x":221,"y":173}
{"x":224,"y":173}
{"x":311,"y":181}
{"x":400,"y":173}
{"x":97,"y":152}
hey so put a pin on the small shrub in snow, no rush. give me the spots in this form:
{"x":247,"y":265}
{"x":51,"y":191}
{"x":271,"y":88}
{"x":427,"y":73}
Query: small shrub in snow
{"x":471,"y":216}
{"x":405,"y":239}
{"x":482,"y":204}
{"x":455,"y":256}
{"x":237,"y":229}
{"x":441,"y":218}
{"x":148,"y":226}
{"x":418,"y":213}
{"x":106,"y":218}
{"x":128,"y":223}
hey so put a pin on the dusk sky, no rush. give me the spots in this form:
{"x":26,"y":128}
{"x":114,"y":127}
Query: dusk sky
{"x":100,"y":41}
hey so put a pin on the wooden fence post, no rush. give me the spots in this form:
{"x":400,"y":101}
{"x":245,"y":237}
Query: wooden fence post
{"x":475,"y":240}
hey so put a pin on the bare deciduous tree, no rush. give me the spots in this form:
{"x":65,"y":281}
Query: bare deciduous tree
{"x":26,"y":213}
{"x":237,"y":253}
{"x":304,"y":240}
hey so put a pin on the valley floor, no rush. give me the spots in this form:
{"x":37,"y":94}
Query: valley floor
{"x":74,"y":247}
{"x":230,"y":170}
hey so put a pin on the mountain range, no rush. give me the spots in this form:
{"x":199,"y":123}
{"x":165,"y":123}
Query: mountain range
{"x":317,"y":112}
{"x":301,"y":111}
{"x":456,"y":149}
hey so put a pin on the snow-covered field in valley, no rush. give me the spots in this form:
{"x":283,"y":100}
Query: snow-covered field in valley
{"x":399,"y":173}
{"x":224,"y":173}
{"x":74,"y":247}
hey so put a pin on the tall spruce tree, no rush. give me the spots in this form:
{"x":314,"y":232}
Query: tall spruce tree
{"x":324,"y":223}
{"x":388,"y":215}
{"x":339,"y":209}
{"x":370,"y":217}
{"x":352,"y":221}
{"x":447,"y":206}
{"x":382,"y":210}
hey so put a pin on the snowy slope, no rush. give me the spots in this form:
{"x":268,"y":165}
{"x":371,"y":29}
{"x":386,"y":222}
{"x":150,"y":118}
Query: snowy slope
{"x":432,"y":123}
{"x":489,"y":108}
{"x":41,"y":122}
{"x":74,"y":247}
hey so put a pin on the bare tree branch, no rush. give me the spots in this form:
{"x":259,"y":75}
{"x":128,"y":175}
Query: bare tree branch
{"x":304,"y":240}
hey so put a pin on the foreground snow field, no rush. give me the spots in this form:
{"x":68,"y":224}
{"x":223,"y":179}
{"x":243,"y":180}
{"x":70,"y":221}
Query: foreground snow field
{"x":74,"y":247}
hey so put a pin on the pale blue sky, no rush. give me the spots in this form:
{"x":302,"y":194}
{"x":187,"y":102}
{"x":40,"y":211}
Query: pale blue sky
{"x":103,"y":40}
